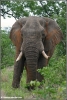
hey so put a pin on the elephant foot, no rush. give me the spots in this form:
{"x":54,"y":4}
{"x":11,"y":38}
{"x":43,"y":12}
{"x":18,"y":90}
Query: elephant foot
{"x":15,"y":85}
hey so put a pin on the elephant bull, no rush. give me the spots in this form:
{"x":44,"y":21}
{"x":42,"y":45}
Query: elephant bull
{"x":35,"y":39}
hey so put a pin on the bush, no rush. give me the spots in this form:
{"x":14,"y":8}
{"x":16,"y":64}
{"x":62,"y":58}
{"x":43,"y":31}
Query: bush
{"x":7,"y":50}
{"x":54,"y":83}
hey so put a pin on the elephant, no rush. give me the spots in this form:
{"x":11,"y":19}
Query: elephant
{"x":35,"y":39}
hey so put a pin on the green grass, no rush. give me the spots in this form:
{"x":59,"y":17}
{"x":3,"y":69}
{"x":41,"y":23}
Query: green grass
{"x":6,"y":84}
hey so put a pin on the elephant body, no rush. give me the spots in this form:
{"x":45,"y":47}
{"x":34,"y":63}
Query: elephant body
{"x":31,"y":36}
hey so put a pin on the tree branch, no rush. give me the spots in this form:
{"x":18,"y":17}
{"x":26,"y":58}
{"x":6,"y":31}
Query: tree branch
{"x":6,"y":12}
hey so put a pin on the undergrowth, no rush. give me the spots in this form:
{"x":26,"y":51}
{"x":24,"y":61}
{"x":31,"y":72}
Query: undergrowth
{"x":53,"y":86}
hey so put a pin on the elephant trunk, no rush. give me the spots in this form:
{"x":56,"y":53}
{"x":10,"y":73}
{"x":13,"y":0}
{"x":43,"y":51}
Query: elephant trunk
{"x":31,"y":55}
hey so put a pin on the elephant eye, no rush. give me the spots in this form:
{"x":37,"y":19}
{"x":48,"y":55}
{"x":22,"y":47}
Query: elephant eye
{"x":43,"y":37}
{"x":22,"y":32}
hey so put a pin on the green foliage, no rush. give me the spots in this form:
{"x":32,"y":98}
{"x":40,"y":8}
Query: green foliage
{"x":54,"y":83}
{"x":61,"y":20}
{"x":25,"y":8}
{"x":7,"y":50}
{"x":34,"y":84}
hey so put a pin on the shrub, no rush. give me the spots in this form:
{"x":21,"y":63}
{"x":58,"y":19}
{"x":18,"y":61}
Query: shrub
{"x":54,"y":83}
{"x":7,"y":50}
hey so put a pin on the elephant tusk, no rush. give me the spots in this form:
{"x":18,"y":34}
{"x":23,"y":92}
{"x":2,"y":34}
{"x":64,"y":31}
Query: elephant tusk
{"x":45,"y":55}
{"x":19,"y":57}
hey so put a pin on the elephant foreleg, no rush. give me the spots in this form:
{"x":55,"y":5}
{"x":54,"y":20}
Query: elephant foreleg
{"x":18,"y":69}
{"x":42,"y":62}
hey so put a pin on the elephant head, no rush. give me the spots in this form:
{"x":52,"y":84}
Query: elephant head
{"x":35,"y":39}
{"x":33,"y":33}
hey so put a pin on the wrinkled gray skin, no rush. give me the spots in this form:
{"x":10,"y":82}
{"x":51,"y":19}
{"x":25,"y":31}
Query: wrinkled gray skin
{"x":38,"y":34}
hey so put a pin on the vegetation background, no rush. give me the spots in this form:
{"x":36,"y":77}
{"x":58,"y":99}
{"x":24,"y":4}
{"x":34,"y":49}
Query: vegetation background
{"x":54,"y":84}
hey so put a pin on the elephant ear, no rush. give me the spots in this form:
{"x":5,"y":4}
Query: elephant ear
{"x":15,"y":32}
{"x":53,"y":34}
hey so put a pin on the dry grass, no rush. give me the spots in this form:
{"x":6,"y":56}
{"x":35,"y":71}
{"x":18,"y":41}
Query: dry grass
{"x":4,"y":78}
